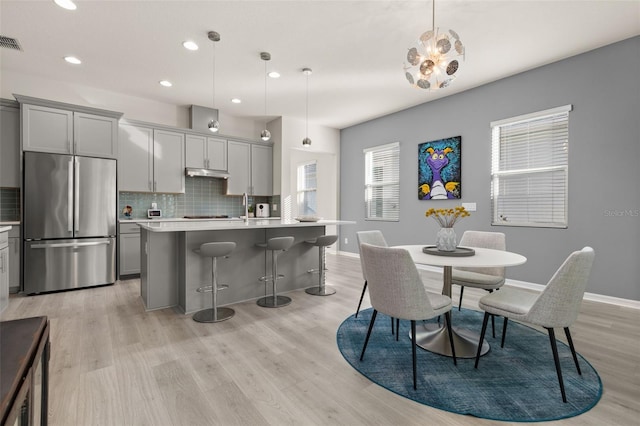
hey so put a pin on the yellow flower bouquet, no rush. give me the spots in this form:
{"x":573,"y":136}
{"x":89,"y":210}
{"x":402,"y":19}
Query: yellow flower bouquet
{"x":446,"y":218}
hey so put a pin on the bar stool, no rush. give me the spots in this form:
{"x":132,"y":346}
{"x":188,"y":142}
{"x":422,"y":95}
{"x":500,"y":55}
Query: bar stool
{"x":275,"y":245}
{"x":321,"y":242}
{"x":214,"y":251}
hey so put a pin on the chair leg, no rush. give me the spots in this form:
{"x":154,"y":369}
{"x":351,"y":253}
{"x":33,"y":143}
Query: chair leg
{"x":556,"y":360}
{"x":460,"y":301}
{"x":573,"y":350}
{"x":413,"y":353}
{"x":366,"y":341}
{"x":392,"y":327}
{"x":364,"y":289}
{"x":447,"y":318}
{"x":484,"y":329}
{"x":397,"y":329}
{"x":493,"y":326}
{"x":504,"y":331}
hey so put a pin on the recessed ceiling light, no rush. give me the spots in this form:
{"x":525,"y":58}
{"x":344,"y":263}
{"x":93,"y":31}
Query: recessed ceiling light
{"x":236,"y":101}
{"x":66,"y":4}
{"x":190,"y":45}
{"x":72,"y":60}
{"x":165,"y":83}
{"x":274,"y":74}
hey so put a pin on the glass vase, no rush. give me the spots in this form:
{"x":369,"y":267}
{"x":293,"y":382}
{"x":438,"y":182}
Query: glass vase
{"x":446,"y":239}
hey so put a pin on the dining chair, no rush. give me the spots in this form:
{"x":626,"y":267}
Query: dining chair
{"x":396,"y":290}
{"x":488,"y":279}
{"x":368,"y":237}
{"x":556,"y":306}
{"x":377,"y":239}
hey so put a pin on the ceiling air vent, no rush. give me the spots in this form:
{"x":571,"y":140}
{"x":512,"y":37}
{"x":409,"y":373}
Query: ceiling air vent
{"x":9,"y":43}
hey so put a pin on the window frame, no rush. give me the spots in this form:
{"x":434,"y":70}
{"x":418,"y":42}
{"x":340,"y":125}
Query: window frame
{"x":551,"y":115}
{"x":392,"y":150}
{"x":300,"y":191}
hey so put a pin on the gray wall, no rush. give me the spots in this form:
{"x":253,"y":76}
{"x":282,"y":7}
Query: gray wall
{"x":604,"y":173}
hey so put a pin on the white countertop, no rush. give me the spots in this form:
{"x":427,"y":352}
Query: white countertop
{"x":182,"y":225}
{"x":182,"y":219}
{"x":4,"y":229}
{"x":10,"y":223}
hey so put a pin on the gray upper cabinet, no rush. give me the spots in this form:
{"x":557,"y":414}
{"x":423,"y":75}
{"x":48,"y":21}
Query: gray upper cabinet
{"x":262,"y":169}
{"x":250,"y":168}
{"x":47,"y":129}
{"x":168,"y":161}
{"x":95,"y":136}
{"x":239,"y":167}
{"x":9,"y":146}
{"x":151,"y":160}
{"x":49,"y":126}
{"x":135,"y":163}
{"x":205,"y":152}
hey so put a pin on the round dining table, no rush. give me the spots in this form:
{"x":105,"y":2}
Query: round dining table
{"x":434,"y":337}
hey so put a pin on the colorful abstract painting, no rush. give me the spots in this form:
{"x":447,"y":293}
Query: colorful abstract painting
{"x":439,"y":169}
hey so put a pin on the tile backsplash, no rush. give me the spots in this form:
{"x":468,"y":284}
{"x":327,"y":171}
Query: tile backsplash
{"x":9,"y":204}
{"x":203,"y":196}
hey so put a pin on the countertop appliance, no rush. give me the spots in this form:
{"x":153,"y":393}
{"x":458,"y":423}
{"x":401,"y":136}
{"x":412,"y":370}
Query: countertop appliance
{"x":262,"y":210}
{"x":69,"y":222}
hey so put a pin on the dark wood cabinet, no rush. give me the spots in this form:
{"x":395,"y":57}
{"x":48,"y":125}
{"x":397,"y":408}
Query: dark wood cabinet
{"x":24,"y":371}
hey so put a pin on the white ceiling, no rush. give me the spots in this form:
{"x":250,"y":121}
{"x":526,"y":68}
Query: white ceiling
{"x":355,"y":48}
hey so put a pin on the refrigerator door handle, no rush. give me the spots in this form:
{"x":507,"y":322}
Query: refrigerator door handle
{"x":72,"y":245}
{"x":70,"y":196}
{"x":76,"y":186}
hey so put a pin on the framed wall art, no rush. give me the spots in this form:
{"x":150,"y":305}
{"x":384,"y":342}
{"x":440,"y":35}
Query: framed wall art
{"x":440,"y":169}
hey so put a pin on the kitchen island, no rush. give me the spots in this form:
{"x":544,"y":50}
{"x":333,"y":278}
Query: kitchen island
{"x":171,"y":272}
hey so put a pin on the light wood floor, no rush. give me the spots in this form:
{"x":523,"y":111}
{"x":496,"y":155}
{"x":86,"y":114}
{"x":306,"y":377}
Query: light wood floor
{"x":112,"y":363}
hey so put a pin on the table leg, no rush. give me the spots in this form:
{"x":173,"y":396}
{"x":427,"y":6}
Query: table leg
{"x":434,"y":338}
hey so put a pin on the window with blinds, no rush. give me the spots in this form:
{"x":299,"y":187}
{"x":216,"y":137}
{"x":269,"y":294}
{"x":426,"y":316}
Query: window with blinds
{"x":382,"y":182}
{"x":529,"y":169}
{"x":307,"y":189}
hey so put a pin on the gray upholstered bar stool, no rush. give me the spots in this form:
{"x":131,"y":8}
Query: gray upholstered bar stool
{"x":275,"y":245}
{"x":322,"y":242}
{"x":214,"y":251}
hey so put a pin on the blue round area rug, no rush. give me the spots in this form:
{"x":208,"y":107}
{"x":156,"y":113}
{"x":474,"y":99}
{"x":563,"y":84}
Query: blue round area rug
{"x":517,"y":383}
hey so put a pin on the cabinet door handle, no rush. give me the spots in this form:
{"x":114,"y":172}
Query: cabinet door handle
{"x":155,"y":186}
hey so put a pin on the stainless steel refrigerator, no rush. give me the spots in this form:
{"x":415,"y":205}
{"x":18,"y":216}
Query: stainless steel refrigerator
{"x":69,"y":219}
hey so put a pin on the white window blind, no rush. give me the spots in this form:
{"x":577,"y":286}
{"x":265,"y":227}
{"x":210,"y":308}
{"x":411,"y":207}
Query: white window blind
{"x":529,"y":169}
{"x":382,"y":182}
{"x":307,"y":189}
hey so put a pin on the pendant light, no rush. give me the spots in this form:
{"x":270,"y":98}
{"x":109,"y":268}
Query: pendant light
{"x":214,"y":125}
{"x":265,"y":135}
{"x":434,"y":63}
{"x":306,"y":142}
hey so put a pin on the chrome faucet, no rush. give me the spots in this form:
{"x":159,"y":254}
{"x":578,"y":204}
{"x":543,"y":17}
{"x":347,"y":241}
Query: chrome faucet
{"x":245,"y":203}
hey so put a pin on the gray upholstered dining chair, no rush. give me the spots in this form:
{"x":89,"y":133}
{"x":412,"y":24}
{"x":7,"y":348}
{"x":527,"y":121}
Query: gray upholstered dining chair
{"x":374,"y":238}
{"x":396,"y":290}
{"x":486,"y":278}
{"x":556,"y":306}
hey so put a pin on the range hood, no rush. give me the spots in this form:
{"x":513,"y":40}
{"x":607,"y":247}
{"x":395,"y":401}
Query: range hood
{"x":199,"y":118}
{"x":192,"y":171}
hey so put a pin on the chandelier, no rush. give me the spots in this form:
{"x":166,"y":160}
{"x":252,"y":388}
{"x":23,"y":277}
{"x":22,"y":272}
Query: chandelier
{"x":433,"y":64}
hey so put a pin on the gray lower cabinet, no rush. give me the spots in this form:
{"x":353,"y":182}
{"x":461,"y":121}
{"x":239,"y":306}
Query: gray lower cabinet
{"x":129,"y":259}
{"x":14,"y":259}
{"x":4,"y":270}
{"x":158,"y":277}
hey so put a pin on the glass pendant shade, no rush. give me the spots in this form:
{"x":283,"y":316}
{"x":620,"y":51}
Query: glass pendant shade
{"x":306,"y":142}
{"x":265,"y":135}
{"x":214,"y":126}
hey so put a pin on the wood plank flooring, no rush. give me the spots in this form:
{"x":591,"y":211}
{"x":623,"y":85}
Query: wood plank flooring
{"x":112,"y":363}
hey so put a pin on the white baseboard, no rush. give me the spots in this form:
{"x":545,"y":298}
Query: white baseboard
{"x":626,"y":303}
